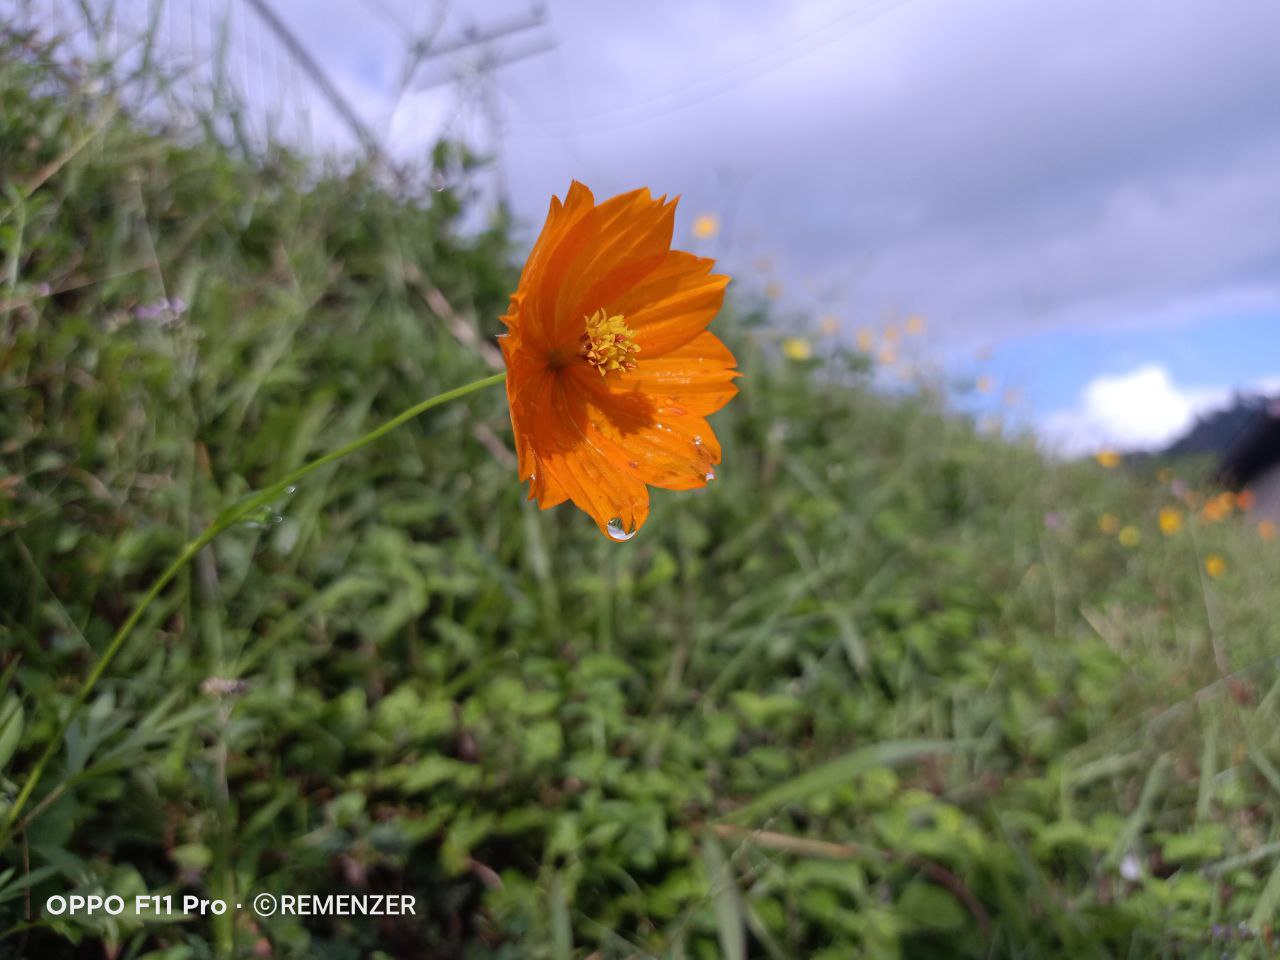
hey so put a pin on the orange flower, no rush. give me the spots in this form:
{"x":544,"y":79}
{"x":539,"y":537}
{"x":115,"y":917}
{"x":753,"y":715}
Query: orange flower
{"x":1108,"y":459}
{"x":611,"y":371}
{"x":1220,"y":507}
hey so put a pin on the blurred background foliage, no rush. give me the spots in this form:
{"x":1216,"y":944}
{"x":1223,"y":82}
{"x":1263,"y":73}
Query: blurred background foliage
{"x":885,"y":689}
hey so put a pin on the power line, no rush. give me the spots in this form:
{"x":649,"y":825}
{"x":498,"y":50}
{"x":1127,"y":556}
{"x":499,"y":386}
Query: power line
{"x":473,"y":36}
{"x":857,"y":20}
{"x":492,"y":61}
{"x":320,"y":79}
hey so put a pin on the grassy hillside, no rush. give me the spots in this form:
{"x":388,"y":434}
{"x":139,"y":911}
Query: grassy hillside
{"x":887,"y":688}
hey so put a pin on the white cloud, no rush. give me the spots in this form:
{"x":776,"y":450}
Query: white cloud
{"x":1143,"y":409}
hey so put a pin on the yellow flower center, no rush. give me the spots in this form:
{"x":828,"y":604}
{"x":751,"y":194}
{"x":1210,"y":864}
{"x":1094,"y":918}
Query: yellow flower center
{"x":608,"y":343}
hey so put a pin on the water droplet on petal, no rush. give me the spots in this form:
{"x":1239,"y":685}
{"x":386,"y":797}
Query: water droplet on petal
{"x":617,"y":532}
{"x":697,"y":441}
{"x":711,"y":475}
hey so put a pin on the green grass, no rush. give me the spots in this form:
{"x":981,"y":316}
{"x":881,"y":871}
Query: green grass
{"x":855,"y":699}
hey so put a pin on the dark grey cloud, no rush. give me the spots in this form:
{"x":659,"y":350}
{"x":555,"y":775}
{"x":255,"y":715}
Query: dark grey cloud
{"x":998,"y":165}
{"x":1002,"y":164}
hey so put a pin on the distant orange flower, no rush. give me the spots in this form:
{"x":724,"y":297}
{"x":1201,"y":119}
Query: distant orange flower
{"x":1215,"y":566}
{"x":1219,"y":507}
{"x":1266,"y":530}
{"x":1245,"y":500}
{"x":1108,"y":523}
{"x":706,"y":226}
{"x":611,"y":370}
{"x":1108,"y":459}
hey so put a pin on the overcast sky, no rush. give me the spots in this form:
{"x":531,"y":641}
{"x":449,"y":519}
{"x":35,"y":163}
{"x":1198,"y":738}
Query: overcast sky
{"x":1100,"y":177}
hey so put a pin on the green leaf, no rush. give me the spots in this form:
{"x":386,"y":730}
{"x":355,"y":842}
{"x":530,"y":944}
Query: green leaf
{"x":841,"y":771}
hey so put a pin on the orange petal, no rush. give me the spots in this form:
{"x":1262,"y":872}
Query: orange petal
{"x":673,"y":304}
{"x":572,"y":464}
{"x":528,"y":313}
{"x":697,"y":376}
{"x":634,"y":236}
{"x":663,"y":444}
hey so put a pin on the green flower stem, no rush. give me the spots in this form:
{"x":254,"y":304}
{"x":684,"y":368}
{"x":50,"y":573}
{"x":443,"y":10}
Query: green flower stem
{"x":229,"y":517}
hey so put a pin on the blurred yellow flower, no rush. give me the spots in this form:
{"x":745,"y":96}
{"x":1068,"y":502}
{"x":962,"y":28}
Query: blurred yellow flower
{"x":1130,"y":536}
{"x":706,"y":226}
{"x":1214,"y":565}
{"x":829,"y":324}
{"x":797,"y":348}
{"x":1108,"y":523}
{"x":983,"y":384}
{"x":1170,"y":521}
{"x":915,"y":325}
{"x":773,"y":290}
{"x":888,"y":356}
{"x":891,"y":333}
{"x":1267,"y":530}
{"x":1108,"y":459}
{"x":866,"y":340}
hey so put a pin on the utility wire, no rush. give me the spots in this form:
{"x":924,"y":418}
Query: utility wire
{"x":681,"y":100}
{"x":321,"y":80}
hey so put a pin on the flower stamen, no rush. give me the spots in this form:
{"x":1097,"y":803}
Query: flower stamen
{"x":608,"y":343}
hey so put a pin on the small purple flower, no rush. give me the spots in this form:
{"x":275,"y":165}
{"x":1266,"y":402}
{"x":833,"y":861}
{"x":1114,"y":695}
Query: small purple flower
{"x":1053,"y":520}
{"x":166,"y":311}
{"x":151,"y":311}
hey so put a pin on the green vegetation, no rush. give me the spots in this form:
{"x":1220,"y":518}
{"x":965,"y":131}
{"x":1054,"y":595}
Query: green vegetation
{"x":884,"y":689}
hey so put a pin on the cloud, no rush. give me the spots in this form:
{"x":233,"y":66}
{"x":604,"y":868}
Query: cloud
{"x":1144,"y":409}
{"x":997,"y":165}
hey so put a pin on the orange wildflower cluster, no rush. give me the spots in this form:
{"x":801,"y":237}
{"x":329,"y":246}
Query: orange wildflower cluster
{"x":1219,"y":507}
{"x":611,"y":371}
